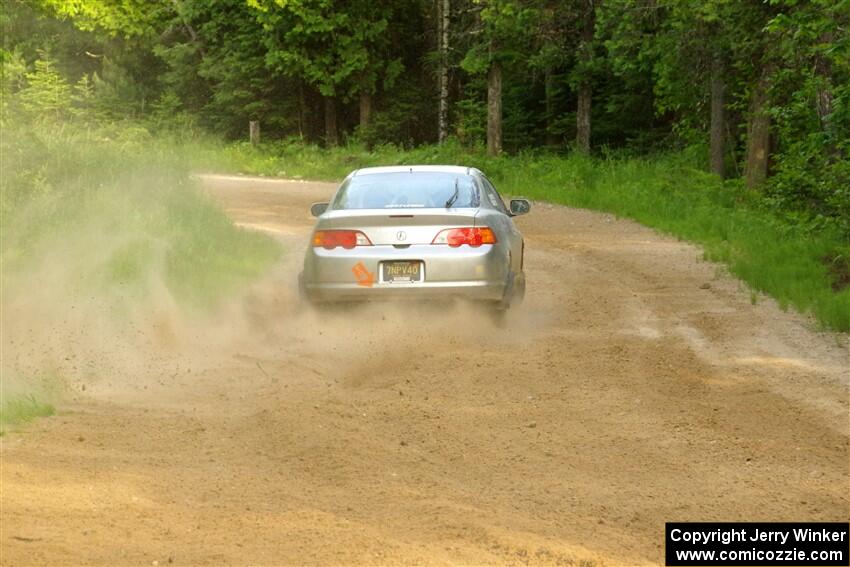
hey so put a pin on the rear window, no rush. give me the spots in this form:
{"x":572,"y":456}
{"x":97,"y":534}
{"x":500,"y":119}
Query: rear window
{"x":406,"y":190}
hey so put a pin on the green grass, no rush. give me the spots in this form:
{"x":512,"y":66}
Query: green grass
{"x":788,"y":259}
{"x":19,"y":410}
{"x":118,"y":214}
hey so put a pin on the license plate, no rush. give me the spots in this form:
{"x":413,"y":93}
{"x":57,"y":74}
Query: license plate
{"x":399,"y":272}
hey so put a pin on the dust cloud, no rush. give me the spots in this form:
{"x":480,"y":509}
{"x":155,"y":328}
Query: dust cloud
{"x":64,"y":338}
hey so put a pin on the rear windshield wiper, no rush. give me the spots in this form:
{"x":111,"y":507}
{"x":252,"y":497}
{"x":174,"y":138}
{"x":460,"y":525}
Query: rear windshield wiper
{"x":454,"y":196}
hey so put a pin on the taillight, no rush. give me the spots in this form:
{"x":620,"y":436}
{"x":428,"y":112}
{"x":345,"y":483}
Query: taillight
{"x":330,"y":239}
{"x":474,"y":236}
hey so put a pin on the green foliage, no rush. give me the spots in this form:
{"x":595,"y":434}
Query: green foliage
{"x":471,"y":111}
{"x":505,"y":28}
{"x":125,"y":18}
{"x":811,"y":183}
{"x":116,"y":94}
{"x":401,"y":123}
{"x":46,"y":95}
{"x":811,"y":112}
{"x":82,"y":98}
{"x":13,"y":69}
{"x":336,"y":47}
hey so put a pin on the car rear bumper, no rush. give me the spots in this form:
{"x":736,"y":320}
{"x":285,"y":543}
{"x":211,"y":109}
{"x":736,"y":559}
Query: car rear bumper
{"x":474,"y":291}
{"x":479,"y":274}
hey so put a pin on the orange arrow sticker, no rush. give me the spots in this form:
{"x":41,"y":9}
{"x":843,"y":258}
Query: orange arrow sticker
{"x":364,"y":276}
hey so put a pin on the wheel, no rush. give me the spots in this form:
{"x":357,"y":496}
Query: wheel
{"x":514,"y":292}
{"x":519,"y":289}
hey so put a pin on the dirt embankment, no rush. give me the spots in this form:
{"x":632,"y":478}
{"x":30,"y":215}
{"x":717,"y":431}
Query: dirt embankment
{"x":637,"y":385}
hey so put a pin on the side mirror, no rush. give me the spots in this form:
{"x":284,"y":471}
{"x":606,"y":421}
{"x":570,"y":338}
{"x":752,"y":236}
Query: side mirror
{"x":316,"y":209}
{"x":520,"y":206}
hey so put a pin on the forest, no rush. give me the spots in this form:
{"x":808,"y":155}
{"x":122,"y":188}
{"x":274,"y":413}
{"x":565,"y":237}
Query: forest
{"x":763,"y":87}
{"x":753,"y":94}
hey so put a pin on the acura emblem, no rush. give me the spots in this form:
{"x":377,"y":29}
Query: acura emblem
{"x":401,"y":235}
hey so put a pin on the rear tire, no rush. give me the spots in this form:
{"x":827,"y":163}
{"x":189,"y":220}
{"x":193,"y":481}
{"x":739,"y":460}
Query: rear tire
{"x":519,"y":289}
{"x":514,"y":292}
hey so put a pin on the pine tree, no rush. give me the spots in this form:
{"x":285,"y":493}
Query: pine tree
{"x":47,"y":94}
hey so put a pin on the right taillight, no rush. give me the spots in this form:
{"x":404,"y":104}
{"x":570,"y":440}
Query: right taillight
{"x":330,"y":239}
{"x":473,"y":236}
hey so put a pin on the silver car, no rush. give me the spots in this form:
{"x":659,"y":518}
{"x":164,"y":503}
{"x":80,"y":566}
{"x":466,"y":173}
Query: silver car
{"x":416,"y":232}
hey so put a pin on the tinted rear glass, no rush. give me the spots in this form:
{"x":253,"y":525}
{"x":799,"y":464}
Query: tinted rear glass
{"x":405,"y":190}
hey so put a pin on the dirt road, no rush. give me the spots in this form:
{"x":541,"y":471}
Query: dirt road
{"x":638,"y":385}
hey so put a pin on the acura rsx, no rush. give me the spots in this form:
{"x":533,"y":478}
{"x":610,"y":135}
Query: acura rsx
{"x":416,"y":232}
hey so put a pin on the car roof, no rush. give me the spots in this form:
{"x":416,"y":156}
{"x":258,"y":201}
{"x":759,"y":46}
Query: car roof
{"x":457,"y":169}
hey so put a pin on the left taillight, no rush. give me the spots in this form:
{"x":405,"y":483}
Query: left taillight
{"x":473,"y":236}
{"x":330,"y":239}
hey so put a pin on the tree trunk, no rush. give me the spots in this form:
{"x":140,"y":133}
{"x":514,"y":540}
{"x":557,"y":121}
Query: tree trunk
{"x":549,"y":87}
{"x":331,"y":134}
{"x":823,"y":94}
{"x":494,"y":109}
{"x":254,"y":131}
{"x":302,"y":111}
{"x":824,"y":106}
{"x":758,"y":133}
{"x":583,"y":118}
{"x":718,"y":118}
{"x":585,"y":91}
{"x":444,"y":9}
{"x":314,"y":114}
{"x":823,"y":70}
{"x":365,"y":108}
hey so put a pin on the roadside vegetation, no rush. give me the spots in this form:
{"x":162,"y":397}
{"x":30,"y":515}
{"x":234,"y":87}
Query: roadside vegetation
{"x":121,"y":204}
{"x":21,"y":409}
